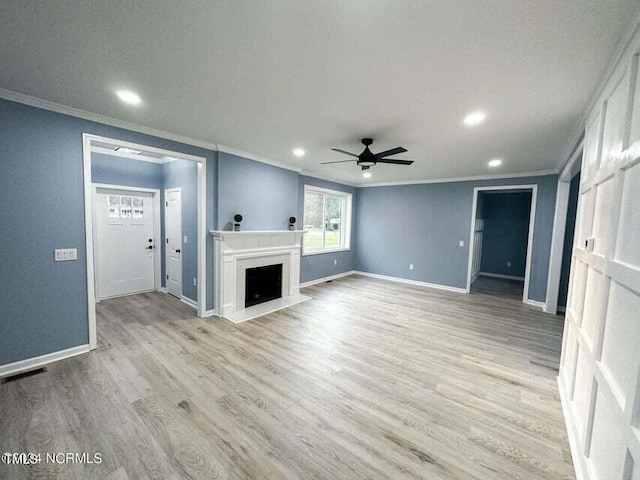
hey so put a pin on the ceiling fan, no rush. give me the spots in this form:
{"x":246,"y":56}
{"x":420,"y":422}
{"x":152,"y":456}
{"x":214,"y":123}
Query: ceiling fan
{"x":368,"y":159}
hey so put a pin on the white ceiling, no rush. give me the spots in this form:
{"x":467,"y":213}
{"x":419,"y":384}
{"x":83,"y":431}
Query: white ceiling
{"x":266,"y":76}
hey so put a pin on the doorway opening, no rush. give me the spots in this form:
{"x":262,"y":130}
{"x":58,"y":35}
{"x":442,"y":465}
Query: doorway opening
{"x":503,"y":221}
{"x":145,"y":223}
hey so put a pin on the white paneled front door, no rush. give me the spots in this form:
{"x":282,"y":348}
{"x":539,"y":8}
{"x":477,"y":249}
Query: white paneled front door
{"x":124,"y":242}
{"x":173,"y":226}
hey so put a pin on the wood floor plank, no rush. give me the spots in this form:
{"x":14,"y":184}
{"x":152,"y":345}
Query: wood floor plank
{"x":369,"y":379}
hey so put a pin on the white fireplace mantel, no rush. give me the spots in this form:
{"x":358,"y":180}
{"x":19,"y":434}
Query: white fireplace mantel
{"x":234,"y":252}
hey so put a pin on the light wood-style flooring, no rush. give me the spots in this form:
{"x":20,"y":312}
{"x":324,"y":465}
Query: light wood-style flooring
{"x":369,"y":379}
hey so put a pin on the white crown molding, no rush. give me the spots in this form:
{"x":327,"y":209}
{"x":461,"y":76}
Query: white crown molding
{"x":252,"y":156}
{"x":539,"y":173}
{"x":327,"y":178}
{"x":103,"y":119}
{"x":132,"y":156}
{"x":616,"y":57}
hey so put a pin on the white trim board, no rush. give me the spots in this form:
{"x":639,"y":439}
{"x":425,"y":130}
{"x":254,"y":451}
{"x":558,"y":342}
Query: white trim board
{"x":189,"y":302}
{"x":499,"y":275}
{"x":535,"y":303}
{"x":411,"y":282}
{"x":132,"y":156}
{"x":532,"y":224}
{"x":40,"y":361}
{"x":327,"y":279}
{"x":87,"y":140}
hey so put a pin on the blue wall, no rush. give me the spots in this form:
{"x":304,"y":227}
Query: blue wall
{"x":422,"y":225}
{"x":44,"y":303}
{"x":113,"y":170}
{"x":572,"y":208}
{"x":506,"y":228}
{"x":322,"y":265}
{"x":265,"y":196}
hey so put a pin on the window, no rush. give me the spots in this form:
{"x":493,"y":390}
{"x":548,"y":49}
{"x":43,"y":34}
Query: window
{"x":327,"y":220}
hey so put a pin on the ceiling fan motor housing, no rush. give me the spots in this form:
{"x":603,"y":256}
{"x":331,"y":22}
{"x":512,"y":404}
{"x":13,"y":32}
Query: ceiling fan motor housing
{"x":366,"y":158}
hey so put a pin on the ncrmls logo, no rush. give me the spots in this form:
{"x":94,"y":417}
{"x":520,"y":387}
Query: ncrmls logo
{"x":30,"y":458}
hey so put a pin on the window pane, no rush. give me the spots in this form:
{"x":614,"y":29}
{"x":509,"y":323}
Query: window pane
{"x":313,"y":220}
{"x":333,"y":219}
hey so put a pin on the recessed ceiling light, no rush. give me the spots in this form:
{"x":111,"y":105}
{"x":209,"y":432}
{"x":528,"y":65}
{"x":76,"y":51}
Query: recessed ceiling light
{"x":298,"y":152}
{"x":474,"y":118}
{"x":366,"y":174}
{"x":127,"y":96}
{"x":496,"y":162}
{"x":128,"y":150}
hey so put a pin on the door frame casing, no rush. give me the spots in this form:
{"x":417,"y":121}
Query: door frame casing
{"x":165,"y":244}
{"x":532,"y":222}
{"x":157,"y":274}
{"x":87,"y":140}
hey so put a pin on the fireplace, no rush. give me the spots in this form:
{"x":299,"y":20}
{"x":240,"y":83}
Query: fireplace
{"x":262,"y":284}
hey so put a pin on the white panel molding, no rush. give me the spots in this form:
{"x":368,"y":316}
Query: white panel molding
{"x":40,"y":361}
{"x":605,"y":432}
{"x":411,"y":282}
{"x":326,"y":279}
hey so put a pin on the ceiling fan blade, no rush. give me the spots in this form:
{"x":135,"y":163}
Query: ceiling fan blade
{"x":393,"y":151}
{"x":345,"y":152}
{"x":395,"y":162}
{"x":338,"y":161}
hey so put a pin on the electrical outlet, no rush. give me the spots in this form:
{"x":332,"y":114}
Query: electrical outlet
{"x":335,"y":261}
{"x":195,"y":282}
{"x":461,"y":243}
{"x":411,"y":266}
{"x":508,"y":264}
{"x":185,"y":240}
{"x":65,"y":254}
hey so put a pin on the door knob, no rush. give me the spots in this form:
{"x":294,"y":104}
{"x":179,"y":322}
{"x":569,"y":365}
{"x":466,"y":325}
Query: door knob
{"x":150,"y":247}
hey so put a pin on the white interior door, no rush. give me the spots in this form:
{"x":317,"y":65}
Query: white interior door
{"x":600,"y":366}
{"x":173,"y":228}
{"x":124,"y":242}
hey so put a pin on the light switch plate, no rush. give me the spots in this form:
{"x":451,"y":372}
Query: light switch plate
{"x":185,"y":240}
{"x":65,"y":254}
{"x":461,"y":243}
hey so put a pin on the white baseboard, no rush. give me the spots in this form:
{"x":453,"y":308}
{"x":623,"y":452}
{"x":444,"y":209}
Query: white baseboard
{"x":189,"y":302}
{"x":499,"y":275}
{"x":326,"y":279}
{"x":579,"y":464}
{"x":210,"y":313}
{"x":163,"y":290}
{"x":37,"y":362}
{"x":412,"y":282}
{"x":535,"y":303}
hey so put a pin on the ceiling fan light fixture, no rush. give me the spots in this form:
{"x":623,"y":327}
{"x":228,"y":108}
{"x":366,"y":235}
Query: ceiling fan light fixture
{"x":366,"y":163}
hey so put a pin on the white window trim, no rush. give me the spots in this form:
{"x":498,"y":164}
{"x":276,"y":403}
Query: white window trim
{"x":347,"y":219}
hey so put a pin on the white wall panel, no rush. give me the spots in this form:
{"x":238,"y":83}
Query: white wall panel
{"x":600,"y":376}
